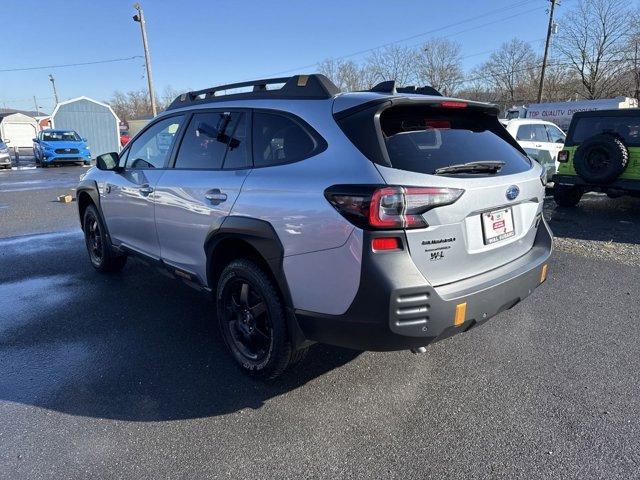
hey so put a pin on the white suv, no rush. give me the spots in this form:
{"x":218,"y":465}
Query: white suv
{"x":541,"y":140}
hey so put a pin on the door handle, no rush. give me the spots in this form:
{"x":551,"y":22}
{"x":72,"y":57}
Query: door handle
{"x":145,"y":190}
{"x":215,"y":196}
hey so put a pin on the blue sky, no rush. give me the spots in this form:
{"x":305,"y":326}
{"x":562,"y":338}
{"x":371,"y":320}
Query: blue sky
{"x":203,"y":43}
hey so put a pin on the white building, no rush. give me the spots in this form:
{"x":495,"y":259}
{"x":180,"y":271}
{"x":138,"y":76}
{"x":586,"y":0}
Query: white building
{"x":19,"y":129}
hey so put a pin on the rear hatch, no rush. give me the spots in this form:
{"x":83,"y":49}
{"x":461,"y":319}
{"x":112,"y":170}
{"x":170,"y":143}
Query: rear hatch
{"x":495,"y":219}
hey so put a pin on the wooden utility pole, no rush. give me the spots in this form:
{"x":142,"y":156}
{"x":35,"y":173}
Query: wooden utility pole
{"x":53,"y":84}
{"x":35,"y":103}
{"x":139,"y":17}
{"x":636,"y":73}
{"x":546,"y":50}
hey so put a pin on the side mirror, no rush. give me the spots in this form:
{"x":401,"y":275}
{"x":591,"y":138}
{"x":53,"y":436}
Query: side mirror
{"x":108,"y":161}
{"x":7,"y":141}
{"x":35,"y":140}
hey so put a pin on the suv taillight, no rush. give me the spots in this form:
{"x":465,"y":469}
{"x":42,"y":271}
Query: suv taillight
{"x":384,"y":208}
{"x":563,"y":156}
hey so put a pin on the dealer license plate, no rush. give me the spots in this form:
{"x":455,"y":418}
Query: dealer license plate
{"x":497,"y":225}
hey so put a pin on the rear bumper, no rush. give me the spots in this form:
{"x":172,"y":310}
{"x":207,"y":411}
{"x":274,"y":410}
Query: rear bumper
{"x":396,"y":309}
{"x":619,"y":184}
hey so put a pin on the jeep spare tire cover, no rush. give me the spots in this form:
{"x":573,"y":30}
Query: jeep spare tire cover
{"x":601,"y":158}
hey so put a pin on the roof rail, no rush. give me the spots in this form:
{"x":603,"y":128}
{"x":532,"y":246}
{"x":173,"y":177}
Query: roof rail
{"x":390,"y":87}
{"x":298,"y":87}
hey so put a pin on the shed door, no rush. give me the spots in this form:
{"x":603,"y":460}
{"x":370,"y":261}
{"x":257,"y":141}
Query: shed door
{"x":20,"y":134}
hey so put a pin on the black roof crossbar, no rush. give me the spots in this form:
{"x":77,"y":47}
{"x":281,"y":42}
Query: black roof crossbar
{"x":298,"y":87}
{"x":390,"y":87}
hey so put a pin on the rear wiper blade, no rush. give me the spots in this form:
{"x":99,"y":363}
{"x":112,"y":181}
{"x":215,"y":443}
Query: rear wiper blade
{"x":489,"y":166}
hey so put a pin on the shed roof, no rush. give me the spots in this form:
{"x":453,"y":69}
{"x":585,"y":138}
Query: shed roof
{"x":73,"y":100}
{"x":19,"y":116}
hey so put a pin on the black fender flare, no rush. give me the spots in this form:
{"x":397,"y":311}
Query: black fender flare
{"x":262,"y":237}
{"x":90,"y":187}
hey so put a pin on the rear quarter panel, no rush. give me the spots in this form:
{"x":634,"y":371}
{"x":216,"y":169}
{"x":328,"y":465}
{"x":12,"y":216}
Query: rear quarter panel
{"x":322,"y":250}
{"x":291,"y":196}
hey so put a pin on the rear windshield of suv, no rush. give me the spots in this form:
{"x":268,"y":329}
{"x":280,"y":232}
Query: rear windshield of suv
{"x":423,"y":139}
{"x":627,"y":127}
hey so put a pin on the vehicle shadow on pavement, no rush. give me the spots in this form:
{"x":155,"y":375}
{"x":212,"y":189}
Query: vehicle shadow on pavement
{"x":597,"y":217}
{"x":133,"y":346}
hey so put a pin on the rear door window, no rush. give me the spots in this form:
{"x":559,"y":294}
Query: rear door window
{"x":206,"y":140}
{"x":555,"y":134}
{"x":533,"y":132}
{"x":238,"y":154}
{"x":424,"y":139}
{"x":525,"y":133}
{"x":278,"y":139}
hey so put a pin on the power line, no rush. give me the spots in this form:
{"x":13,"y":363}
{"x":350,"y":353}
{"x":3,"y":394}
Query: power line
{"x":24,"y":99}
{"x":499,"y":20}
{"x":429,"y":32}
{"x":534,"y":67}
{"x":112,"y":60}
{"x":493,"y":50}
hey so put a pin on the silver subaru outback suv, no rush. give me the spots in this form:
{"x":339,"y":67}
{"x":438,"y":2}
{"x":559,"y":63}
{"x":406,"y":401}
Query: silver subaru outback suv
{"x":377,"y":220}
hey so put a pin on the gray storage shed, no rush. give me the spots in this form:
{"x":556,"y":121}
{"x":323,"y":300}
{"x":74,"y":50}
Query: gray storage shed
{"x":93,"y":120}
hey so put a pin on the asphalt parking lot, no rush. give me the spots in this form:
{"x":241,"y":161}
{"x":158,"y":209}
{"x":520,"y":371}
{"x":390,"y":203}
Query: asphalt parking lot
{"x":125,"y":376}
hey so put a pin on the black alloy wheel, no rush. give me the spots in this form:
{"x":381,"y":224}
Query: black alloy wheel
{"x":246,"y":323}
{"x":253,"y":321}
{"x":94,"y":238}
{"x":103,"y":256}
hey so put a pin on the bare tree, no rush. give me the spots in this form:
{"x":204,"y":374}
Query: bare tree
{"x":135,"y":103}
{"x":592,"y":43}
{"x":130,"y":105}
{"x":633,"y":76}
{"x":439,"y":65}
{"x":509,"y":71}
{"x":392,"y":63}
{"x":560,"y":83}
{"x":169,"y":94}
{"x":477,"y":88}
{"x":345,"y":74}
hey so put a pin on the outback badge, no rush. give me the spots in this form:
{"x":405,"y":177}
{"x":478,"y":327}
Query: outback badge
{"x":512,"y":192}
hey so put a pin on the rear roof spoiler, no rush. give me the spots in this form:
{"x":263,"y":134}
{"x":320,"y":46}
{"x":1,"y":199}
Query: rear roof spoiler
{"x":387,"y":102}
{"x":390,"y":87}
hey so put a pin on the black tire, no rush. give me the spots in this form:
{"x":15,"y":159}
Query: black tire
{"x":567,"y":195}
{"x":601,"y":159}
{"x":251,"y":317}
{"x":101,"y":252}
